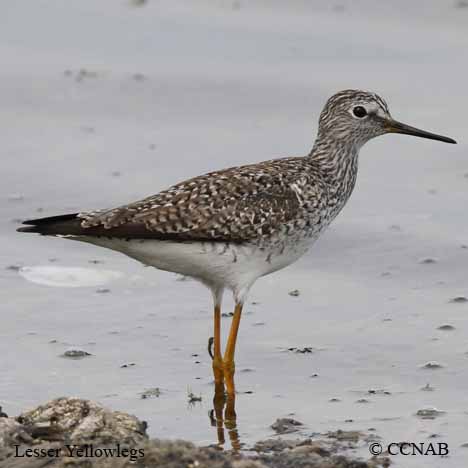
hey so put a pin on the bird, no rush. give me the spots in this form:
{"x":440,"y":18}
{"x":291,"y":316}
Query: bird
{"x":230,"y":227}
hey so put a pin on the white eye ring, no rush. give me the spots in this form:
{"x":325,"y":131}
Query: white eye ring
{"x":360,"y":112}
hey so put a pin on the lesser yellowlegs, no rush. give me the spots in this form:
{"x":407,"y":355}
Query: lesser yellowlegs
{"x":230,"y":227}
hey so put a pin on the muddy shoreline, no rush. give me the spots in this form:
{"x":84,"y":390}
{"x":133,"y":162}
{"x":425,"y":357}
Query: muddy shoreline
{"x":76,"y":432}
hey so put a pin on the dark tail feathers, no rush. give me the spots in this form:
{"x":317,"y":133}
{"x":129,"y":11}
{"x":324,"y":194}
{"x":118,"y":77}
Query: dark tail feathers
{"x":68,"y":224}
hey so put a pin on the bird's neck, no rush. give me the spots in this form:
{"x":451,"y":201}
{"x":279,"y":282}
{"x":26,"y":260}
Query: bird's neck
{"x":337,"y":162}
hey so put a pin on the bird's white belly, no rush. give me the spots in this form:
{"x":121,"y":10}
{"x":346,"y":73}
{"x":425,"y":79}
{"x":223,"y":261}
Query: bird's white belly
{"x":234,"y":266}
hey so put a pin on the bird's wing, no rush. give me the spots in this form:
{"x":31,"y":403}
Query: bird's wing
{"x":237,"y":205}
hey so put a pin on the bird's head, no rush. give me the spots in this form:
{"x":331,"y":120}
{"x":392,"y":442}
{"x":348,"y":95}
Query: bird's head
{"x":357,"y":116}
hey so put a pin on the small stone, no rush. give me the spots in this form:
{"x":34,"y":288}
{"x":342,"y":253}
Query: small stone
{"x":334,"y":400}
{"x":363,"y":400}
{"x":150,"y":393}
{"x":103,"y":290}
{"x":139,"y":77}
{"x":285,"y":425}
{"x":428,"y":261}
{"x":227,"y":314}
{"x":429,"y":413}
{"x":352,"y":436}
{"x":459,"y":300}
{"x":313,"y":376}
{"x":116,"y":173}
{"x":273,"y":445}
{"x":125,"y":366}
{"x":294,"y":293}
{"x":432,"y":365}
{"x":75,"y":354}
{"x":446,"y":328}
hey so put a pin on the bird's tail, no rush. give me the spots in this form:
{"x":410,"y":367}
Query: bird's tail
{"x":68,"y":224}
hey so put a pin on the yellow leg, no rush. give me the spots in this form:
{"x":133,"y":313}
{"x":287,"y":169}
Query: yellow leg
{"x":217,"y":356}
{"x":229,"y":366}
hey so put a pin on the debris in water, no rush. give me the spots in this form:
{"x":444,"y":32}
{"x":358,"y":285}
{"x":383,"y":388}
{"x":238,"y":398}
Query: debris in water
{"x":305,"y":350}
{"x":378,"y":392}
{"x":294,"y":293}
{"x":192,"y":398}
{"x":125,"y":366}
{"x":103,"y":290}
{"x":427,"y":388}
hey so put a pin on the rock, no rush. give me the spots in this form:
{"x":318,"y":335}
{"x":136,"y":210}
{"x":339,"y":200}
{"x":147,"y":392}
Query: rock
{"x":286,"y":425}
{"x":273,"y":445}
{"x":341,"y":435}
{"x":429,"y":413}
{"x":459,"y":300}
{"x":83,"y":420}
{"x":75,"y":354}
{"x":294,"y":293}
{"x":428,"y":261}
{"x":432,"y":365}
{"x":91,"y":429}
{"x":446,"y":327}
{"x":11,"y":433}
{"x":151,"y":393}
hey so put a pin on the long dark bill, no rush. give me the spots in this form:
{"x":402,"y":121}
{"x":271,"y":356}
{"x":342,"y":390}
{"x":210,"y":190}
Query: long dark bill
{"x":394,"y":126}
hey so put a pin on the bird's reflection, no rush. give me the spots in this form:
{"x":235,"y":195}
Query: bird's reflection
{"x":223,"y":416}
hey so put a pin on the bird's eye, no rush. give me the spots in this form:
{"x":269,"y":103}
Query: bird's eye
{"x":359,"y":112}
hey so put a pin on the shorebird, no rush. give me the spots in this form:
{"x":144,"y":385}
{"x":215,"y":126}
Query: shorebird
{"x":230,"y":227}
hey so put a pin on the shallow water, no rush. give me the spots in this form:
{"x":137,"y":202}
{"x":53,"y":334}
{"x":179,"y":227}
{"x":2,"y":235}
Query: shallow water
{"x":170,"y":90}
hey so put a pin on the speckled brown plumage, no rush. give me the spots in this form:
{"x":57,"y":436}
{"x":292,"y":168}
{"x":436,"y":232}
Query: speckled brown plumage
{"x":237,"y":204}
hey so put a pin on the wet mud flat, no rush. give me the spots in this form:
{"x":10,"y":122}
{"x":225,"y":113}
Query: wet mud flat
{"x":74,"y":432}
